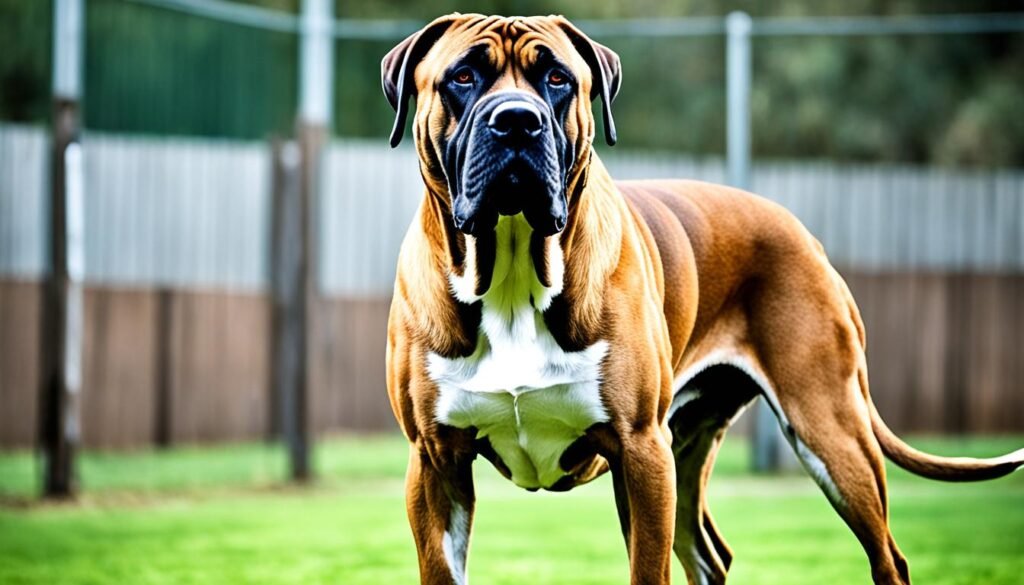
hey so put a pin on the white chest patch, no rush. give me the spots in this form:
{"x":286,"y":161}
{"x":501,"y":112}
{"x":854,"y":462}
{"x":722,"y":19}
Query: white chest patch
{"x":529,"y":397}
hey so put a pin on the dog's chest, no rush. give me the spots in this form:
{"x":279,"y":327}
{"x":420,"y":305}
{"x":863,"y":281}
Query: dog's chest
{"x":519,"y":389}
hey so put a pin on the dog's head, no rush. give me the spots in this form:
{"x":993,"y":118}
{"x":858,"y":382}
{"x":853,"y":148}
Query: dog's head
{"x":503,"y":118}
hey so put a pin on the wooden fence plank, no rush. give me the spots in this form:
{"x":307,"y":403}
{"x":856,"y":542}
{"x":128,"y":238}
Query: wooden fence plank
{"x":19,"y":362}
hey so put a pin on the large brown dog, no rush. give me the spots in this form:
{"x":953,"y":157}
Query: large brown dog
{"x":561,"y":324}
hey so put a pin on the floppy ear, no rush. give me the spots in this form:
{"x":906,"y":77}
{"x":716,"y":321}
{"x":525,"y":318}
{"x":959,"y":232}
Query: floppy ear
{"x":605,"y":69}
{"x":399,"y":65}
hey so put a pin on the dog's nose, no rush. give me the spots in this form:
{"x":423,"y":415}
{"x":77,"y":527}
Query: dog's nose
{"x":515,"y":121}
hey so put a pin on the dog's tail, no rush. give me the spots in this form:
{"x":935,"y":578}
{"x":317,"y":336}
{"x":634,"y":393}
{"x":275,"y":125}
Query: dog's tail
{"x":940,"y":468}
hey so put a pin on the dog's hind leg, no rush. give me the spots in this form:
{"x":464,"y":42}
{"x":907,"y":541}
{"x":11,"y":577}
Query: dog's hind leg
{"x":816,"y":384}
{"x":704,"y":410}
{"x":697,"y":547}
{"x":805,"y":350}
{"x":831,"y":435}
{"x":721,"y":546}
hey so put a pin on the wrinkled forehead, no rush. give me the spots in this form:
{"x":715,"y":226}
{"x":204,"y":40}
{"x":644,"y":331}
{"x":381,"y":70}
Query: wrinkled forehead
{"x":502,"y":42}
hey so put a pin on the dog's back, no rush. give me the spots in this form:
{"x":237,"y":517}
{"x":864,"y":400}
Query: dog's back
{"x":728,"y":240}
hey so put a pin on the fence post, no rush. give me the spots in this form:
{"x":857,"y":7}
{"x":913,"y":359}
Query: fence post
{"x":163,"y":416}
{"x":316,"y":84}
{"x":61,"y":320}
{"x":288,"y":320}
{"x":769,"y":452}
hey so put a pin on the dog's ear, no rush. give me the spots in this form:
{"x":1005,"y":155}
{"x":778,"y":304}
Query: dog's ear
{"x":398,"y":67}
{"x":606,"y":70}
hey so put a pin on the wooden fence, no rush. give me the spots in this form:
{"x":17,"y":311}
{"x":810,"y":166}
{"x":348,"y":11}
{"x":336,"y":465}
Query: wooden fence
{"x":177,"y":316}
{"x":944,"y":352}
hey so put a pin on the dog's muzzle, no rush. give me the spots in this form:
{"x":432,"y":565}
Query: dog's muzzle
{"x":506,"y":164}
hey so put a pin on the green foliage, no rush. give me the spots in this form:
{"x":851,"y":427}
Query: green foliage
{"x":888,"y":98}
{"x":946,"y":99}
{"x":25,"y":41}
{"x":987,"y":128}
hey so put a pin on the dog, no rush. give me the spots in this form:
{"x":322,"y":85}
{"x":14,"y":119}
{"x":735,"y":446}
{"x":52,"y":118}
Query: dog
{"x":562,"y":324}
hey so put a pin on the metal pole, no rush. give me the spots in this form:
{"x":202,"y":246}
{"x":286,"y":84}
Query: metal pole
{"x":61,"y":317}
{"x":316,"y":83}
{"x":68,"y":20}
{"x":316,"y":62}
{"x":738,"y":73}
{"x":767,"y":441}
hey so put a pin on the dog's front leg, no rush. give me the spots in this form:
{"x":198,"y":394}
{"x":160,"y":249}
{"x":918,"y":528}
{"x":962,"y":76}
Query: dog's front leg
{"x":439,"y":499}
{"x":647,"y":476}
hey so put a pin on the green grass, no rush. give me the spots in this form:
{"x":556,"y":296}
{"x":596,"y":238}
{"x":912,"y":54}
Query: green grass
{"x":219,"y":516}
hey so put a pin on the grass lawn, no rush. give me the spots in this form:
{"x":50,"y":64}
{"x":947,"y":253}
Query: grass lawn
{"x":220,"y":516}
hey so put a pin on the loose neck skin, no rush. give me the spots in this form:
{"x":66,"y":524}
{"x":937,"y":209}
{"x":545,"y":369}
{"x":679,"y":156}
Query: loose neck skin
{"x":588,"y":250}
{"x":592,"y":245}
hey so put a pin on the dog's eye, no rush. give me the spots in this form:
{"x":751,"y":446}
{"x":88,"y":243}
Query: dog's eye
{"x":464,"y":76}
{"x":557,"y":79}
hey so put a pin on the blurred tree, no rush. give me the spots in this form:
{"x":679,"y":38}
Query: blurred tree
{"x":25,"y":60}
{"x":987,"y":128}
